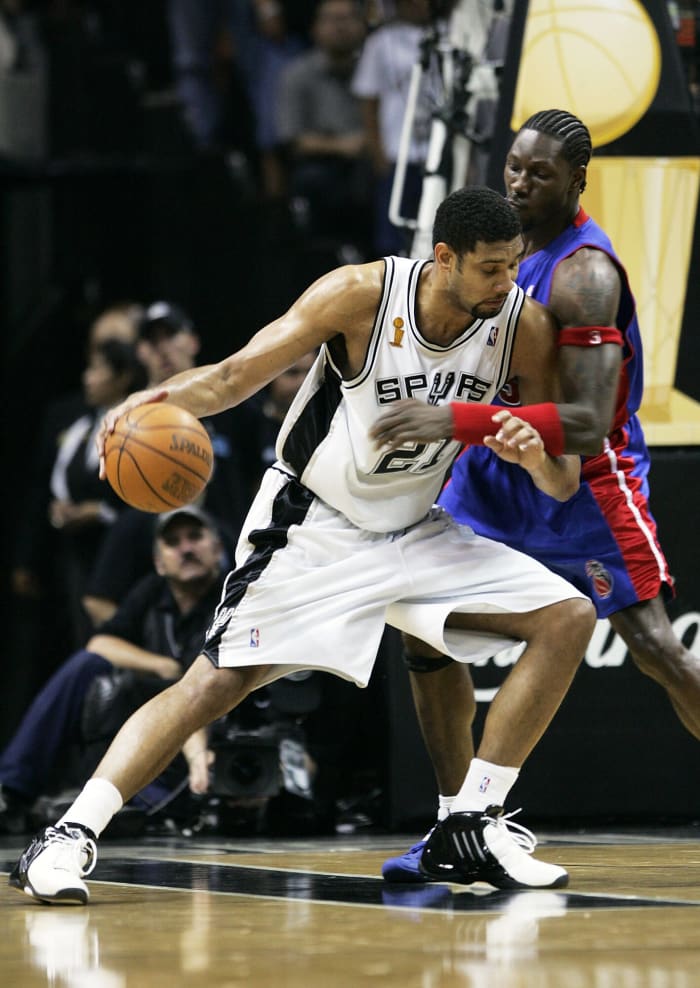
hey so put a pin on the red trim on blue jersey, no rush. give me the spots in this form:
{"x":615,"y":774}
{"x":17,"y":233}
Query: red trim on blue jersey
{"x":620,"y":497}
{"x":581,"y":217}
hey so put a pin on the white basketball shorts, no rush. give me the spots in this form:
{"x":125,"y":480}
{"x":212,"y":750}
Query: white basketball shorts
{"x":312,"y":591}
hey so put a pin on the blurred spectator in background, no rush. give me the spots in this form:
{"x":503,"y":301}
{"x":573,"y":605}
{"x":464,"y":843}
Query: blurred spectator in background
{"x":39,"y":625}
{"x":281,"y":32}
{"x":118,"y":322}
{"x":168,"y":343}
{"x":205,"y":36}
{"x":69,"y":498}
{"x":381,"y":81}
{"x":685,"y":18}
{"x":112,"y":366}
{"x":227,"y":56}
{"x":23,"y":82}
{"x":320,"y":126}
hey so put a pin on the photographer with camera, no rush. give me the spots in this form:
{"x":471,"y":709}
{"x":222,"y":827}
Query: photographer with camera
{"x":151,"y":640}
{"x":155,"y":635}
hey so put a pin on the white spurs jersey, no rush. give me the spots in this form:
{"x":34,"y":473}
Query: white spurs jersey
{"x":324,"y":439}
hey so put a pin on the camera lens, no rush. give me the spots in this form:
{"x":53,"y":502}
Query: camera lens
{"x":245,"y":767}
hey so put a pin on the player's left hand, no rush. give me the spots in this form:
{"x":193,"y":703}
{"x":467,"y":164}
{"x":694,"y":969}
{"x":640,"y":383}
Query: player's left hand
{"x":410,"y":420}
{"x":517,"y":441}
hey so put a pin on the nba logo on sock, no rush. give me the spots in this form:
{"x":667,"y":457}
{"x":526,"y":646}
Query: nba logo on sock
{"x":255,"y":637}
{"x":484,"y":784}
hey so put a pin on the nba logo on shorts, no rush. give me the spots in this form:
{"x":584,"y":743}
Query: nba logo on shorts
{"x":484,"y":784}
{"x":255,"y":637}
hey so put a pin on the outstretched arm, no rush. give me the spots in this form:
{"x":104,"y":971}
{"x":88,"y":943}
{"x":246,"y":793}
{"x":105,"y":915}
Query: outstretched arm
{"x":341,"y":303}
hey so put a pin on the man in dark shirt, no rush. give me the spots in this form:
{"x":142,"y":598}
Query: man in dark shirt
{"x":157,"y":632}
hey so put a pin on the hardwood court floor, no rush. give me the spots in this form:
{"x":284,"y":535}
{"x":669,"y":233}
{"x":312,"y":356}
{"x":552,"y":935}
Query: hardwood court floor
{"x":314,"y":914}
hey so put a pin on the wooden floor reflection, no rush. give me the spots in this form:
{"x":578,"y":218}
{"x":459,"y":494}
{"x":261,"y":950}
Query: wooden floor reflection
{"x":288,"y":914}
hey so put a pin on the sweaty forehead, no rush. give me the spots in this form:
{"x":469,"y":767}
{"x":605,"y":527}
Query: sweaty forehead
{"x":532,"y":144}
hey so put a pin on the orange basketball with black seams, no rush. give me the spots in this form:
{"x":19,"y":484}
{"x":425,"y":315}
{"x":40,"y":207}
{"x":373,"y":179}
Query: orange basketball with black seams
{"x":159,"y":457}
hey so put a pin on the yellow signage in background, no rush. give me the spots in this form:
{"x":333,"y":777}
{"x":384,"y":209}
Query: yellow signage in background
{"x":601,"y":59}
{"x":647,"y":207}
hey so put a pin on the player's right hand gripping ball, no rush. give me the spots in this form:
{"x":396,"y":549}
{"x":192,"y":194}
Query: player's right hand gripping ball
{"x":159,"y":457}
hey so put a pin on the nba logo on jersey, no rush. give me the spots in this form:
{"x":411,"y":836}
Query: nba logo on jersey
{"x":255,"y":637}
{"x":484,"y":784}
{"x":493,"y":336}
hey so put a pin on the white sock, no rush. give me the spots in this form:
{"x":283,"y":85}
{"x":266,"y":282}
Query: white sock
{"x":95,"y":806}
{"x":444,"y":806}
{"x":486,"y":784}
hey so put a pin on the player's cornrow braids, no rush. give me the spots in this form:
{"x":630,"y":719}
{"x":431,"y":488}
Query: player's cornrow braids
{"x":576,"y":146}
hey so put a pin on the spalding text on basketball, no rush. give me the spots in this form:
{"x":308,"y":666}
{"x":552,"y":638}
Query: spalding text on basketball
{"x":181,"y":444}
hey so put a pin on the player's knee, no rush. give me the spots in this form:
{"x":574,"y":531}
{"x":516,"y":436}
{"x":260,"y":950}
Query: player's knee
{"x":572,"y":623}
{"x":659,"y":656}
{"x":213,"y":692}
{"x":420,"y":657}
{"x":582,"y":616}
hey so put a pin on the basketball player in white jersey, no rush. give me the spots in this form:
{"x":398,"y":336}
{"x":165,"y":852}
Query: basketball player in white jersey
{"x":343,"y":536}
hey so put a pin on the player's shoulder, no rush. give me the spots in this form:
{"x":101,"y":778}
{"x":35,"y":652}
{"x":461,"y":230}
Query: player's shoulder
{"x":357,"y":283}
{"x":587,"y":263}
{"x":344,"y":300}
{"x":536,"y":316}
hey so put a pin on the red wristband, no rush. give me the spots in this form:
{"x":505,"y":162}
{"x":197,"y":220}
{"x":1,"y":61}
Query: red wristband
{"x":590,"y":335}
{"x":546,"y":420}
{"x":471,"y":422}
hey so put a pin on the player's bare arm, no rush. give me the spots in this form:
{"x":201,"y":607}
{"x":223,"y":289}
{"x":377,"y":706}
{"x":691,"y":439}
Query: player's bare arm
{"x":411,"y":420}
{"x":586,"y":293}
{"x":341,"y":304}
{"x":517,"y":441}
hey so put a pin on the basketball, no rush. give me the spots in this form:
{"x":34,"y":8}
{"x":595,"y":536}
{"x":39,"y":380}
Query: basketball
{"x":159,"y":457}
{"x":599,"y":59}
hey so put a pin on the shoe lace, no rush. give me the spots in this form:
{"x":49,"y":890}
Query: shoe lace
{"x":72,"y":846}
{"x":523,"y":837}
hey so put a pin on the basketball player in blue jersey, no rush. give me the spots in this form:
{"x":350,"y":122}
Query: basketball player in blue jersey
{"x":604,"y":539}
{"x":343,"y":537}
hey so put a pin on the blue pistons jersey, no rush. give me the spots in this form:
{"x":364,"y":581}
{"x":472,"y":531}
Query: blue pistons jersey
{"x":603,"y":540}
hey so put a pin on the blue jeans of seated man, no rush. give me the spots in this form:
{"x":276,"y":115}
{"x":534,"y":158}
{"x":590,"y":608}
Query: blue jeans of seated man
{"x":51,"y":722}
